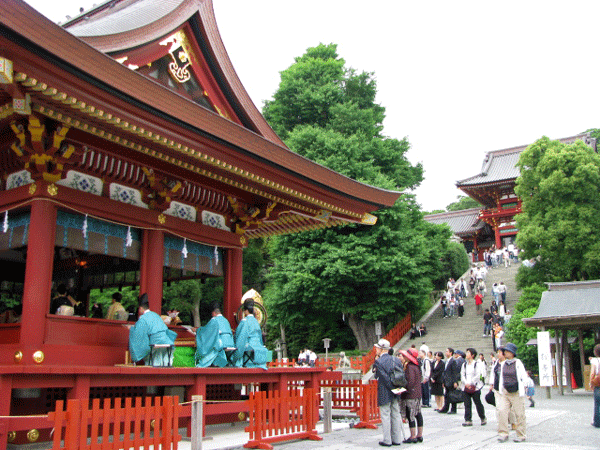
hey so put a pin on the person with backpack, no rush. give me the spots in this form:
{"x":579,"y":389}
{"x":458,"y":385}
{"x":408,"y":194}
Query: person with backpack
{"x":387,"y":401}
{"x":410,"y":400}
{"x":511,"y":390}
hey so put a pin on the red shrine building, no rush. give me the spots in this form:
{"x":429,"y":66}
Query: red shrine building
{"x":130,"y":155}
{"x":494,"y":188}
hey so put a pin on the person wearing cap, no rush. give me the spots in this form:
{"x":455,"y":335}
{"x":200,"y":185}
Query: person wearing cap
{"x":150,"y":330}
{"x":387,"y":401}
{"x":212,"y":340}
{"x":251,"y":352}
{"x":410,"y":401}
{"x":511,"y":390}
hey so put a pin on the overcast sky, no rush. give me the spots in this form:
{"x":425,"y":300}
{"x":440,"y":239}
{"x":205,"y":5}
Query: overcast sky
{"x":457,"y":78}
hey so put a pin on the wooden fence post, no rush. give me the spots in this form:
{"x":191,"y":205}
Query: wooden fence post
{"x":327,"y":411}
{"x":197,"y":422}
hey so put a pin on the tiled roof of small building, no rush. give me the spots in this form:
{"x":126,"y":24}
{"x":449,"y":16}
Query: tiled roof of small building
{"x":565,"y":303}
{"x":500,"y":165}
{"x":461,"y":223}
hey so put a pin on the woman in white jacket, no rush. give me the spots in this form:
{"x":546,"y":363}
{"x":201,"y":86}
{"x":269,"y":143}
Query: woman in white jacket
{"x":510,"y":393}
{"x":472,"y":376}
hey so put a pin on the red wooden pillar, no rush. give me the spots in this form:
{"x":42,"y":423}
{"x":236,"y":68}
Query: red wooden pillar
{"x":37,"y":290}
{"x":497,"y":236}
{"x":233,"y":283}
{"x":151,"y":267}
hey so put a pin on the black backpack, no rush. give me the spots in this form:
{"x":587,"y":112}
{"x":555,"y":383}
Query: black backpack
{"x":397,"y":375}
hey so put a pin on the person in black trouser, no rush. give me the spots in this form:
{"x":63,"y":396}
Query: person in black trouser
{"x":451,"y":377}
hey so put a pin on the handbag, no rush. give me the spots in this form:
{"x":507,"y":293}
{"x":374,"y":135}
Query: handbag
{"x":456,"y":396}
{"x":470,"y":388}
{"x":595,"y":381}
{"x":490,"y":398}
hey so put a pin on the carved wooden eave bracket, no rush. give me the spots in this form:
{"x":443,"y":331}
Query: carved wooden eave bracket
{"x":159,"y":190}
{"x":44,"y":154}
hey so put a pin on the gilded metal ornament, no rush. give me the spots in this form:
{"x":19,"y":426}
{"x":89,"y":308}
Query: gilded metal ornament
{"x":152,"y":423}
{"x":38,"y":356}
{"x":162,"y":218}
{"x":18,"y":356}
{"x":52,"y":189}
{"x":242,"y":416}
{"x":11,"y":436}
{"x":33,"y":435}
{"x":243,"y":240}
{"x":32,"y":188}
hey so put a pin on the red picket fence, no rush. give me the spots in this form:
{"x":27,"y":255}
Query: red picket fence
{"x":368,"y":412}
{"x":142,"y":425}
{"x":394,"y":335}
{"x":344,"y":394}
{"x":276,"y":417}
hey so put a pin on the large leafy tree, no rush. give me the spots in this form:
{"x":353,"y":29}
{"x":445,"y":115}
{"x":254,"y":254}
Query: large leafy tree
{"x":463,"y":202}
{"x":560,"y":222}
{"x":362,"y":274}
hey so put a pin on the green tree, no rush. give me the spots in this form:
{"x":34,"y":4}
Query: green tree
{"x":560,"y":223}
{"x":328,"y":114}
{"x":518,"y":333}
{"x":463,"y":202}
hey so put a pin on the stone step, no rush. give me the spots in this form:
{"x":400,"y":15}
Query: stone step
{"x":461,"y":333}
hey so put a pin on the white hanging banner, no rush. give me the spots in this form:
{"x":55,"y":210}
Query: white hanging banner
{"x":544,"y":358}
{"x":5,"y":224}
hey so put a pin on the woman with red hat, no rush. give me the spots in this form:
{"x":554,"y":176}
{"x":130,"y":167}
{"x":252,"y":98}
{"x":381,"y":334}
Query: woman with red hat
{"x":410,"y":401}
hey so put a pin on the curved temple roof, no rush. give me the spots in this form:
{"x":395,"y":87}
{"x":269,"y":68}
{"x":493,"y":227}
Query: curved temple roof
{"x":64,"y":74}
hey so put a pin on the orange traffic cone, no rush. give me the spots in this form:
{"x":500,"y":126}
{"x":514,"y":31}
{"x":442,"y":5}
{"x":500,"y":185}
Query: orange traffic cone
{"x":573,"y":384}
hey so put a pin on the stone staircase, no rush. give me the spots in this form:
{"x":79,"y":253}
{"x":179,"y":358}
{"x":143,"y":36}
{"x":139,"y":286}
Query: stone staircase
{"x":460,"y":333}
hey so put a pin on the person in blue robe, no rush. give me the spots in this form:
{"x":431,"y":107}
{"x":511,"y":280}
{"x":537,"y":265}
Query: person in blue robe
{"x":212,"y":340}
{"x":248,"y":338}
{"x":150,"y":330}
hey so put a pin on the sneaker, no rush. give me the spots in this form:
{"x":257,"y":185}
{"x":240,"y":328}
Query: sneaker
{"x":483,"y":422}
{"x":502,"y":438}
{"x":467,"y":424}
{"x":532,"y":403}
{"x":519,"y":439}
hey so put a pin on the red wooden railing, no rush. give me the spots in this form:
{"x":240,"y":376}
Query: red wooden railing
{"x":362,"y":363}
{"x":344,"y":394}
{"x":141,"y":425}
{"x":368,"y":412}
{"x":394,"y":335}
{"x":276,"y":417}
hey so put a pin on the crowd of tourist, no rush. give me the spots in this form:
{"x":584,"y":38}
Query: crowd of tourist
{"x":452,"y":377}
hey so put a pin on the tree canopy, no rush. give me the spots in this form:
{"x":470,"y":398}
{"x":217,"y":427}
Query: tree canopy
{"x":463,"y":202}
{"x":560,"y":223}
{"x":327,"y":112}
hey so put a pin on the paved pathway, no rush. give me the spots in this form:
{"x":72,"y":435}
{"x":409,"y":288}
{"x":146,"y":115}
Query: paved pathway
{"x":559,"y":423}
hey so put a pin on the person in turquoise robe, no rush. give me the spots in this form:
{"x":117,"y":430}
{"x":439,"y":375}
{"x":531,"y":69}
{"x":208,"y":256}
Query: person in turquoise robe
{"x":212,"y":340}
{"x":150,"y":330}
{"x":248,"y":337}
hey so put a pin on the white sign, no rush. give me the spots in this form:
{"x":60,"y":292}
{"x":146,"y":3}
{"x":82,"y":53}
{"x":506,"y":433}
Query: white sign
{"x":544,"y":358}
{"x":378,"y":328}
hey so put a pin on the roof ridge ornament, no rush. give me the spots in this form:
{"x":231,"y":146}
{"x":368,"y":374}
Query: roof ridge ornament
{"x":181,"y":59}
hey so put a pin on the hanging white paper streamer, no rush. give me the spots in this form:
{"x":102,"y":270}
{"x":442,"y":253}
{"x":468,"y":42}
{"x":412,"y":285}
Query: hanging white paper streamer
{"x":5,"y":224}
{"x":216,"y":256}
{"x":128,"y":238}
{"x":184,"y":251}
{"x":84,"y":229}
